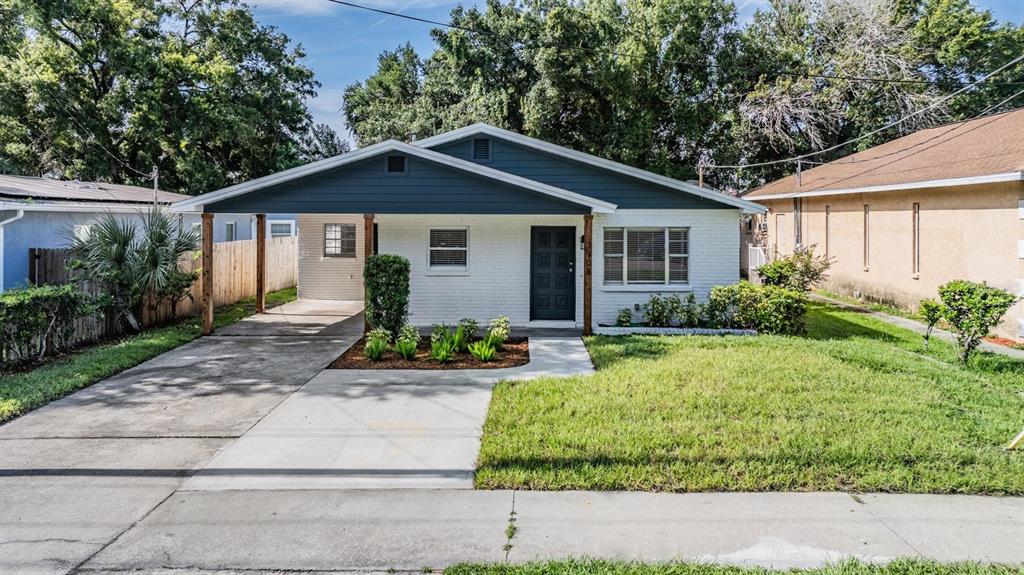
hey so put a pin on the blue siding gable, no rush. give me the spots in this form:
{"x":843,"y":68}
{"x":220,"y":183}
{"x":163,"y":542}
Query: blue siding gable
{"x":424,"y":188}
{"x":620,"y":189}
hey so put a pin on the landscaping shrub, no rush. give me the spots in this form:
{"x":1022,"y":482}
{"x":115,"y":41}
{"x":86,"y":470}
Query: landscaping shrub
{"x":440,"y":332}
{"x":40,"y":320}
{"x":798,"y":271}
{"x":386,"y":279}
{"x":406,"y":342}
{"x":767,"y":309}
{"x":376,"y":343}
{"x":470,"y":326}
{"x":499,"y":330}
{"x":691,"y":313}
{"x":459,"y":338}
{"x":662,"y":312}
{"x":972,"y":309}
{"x":442,"y":350}
{"x":625,"y":317}
{"x":482,"y":350}
{"x":931,"y":312}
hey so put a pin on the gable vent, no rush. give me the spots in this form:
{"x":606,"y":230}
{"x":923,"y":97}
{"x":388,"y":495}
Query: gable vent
{"x":396,"y":164}
{"x":481,"y":149}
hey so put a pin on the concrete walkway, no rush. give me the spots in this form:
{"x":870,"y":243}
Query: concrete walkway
{"x":918,"y":327}
{"x":416,"y":529}
{"x":379,"y":428}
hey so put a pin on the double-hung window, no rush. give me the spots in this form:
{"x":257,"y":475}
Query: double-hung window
{"x":340,"y":240}
{"x":448,"y":249}
{"x":281,"y":229}
{"x":654,"y":256}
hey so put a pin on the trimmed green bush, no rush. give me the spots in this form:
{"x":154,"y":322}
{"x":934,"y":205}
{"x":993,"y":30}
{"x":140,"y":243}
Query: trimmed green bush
{"x":40,"y":320}
{"x":662,"y":312}
{"x":767,"y":309}
{"x":972,"y":309}
{"x":386,"y":279}
{"x":625,"y":317}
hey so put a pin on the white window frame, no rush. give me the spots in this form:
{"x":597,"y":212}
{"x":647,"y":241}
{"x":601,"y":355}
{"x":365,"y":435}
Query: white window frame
{"x":448,"y":270}
{"x":230,"y":231}
{"x":666,"y":284}
{"x":289,"y":223}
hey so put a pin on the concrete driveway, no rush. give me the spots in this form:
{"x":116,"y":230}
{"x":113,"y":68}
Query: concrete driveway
{"x":79,"y":471}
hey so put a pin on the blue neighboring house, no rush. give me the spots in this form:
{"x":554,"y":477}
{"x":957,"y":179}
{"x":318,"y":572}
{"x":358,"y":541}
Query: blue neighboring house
{"x":41,"y":213}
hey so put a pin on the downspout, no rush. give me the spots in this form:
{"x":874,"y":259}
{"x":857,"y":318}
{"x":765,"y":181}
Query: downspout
{"x":16,"y":217}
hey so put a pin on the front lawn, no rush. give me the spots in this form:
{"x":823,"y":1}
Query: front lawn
{"x":855,"y":405}
{"x":21,"y":392}
{"x":591,"y":567}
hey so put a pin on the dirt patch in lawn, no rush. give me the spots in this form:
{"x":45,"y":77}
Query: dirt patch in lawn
{"x":515,"y":352}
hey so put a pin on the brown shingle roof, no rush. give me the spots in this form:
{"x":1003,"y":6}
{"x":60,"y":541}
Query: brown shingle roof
{"x":982,"y":147}
{"x":22,"y":187}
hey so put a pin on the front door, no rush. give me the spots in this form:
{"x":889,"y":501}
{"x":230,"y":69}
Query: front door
{"x":552,"y":277}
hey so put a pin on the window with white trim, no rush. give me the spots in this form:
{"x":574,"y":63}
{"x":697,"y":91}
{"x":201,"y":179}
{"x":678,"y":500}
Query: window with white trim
{"x":638,"y":256}
{"x":229,"y":232}
{"x":281,"y":229}
{"x":448,"y":248}
{"x":340,"y":240}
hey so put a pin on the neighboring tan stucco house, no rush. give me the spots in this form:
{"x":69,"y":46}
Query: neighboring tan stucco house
{"x":496,"y":223}
{"x":904,"y":217}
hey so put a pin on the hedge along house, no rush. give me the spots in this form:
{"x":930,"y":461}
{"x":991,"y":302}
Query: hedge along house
{"x":496,"y":223}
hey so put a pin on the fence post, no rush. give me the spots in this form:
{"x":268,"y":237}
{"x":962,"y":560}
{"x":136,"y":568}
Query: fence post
{"x":261,"y":262}
{"x":207,"y":274}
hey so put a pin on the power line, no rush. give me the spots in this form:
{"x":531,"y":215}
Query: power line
{"x":708,"y":65}
{"x":875,"y":131}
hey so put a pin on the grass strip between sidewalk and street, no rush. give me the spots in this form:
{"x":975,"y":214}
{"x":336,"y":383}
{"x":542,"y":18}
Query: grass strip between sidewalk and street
{"x":21,"y":392}
{"x":849,"y":567}
{"x":857,"y":404}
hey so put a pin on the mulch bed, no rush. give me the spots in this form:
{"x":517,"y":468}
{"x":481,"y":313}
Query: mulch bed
{"x":515,"y":352}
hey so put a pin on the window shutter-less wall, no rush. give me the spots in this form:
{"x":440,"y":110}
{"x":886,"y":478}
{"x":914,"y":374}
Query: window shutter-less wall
{"x":646,"y":256}
{"x":340,"y":240}
{"x":614,"y":244}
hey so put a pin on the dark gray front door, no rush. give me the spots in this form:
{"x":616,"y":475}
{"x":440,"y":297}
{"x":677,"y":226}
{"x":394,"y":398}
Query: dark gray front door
{"x":552,"y":277}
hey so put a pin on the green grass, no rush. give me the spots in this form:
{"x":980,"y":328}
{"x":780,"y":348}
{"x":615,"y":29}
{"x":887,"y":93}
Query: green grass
{"x":855,"y":405}
{"x":24,"y":391}
{"x":871,"y":305}
{"x":590,"y":567}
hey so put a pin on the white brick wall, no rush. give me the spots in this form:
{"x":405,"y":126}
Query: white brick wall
{"x":498,"y":279}
{"x":714,"y":255}
{"x":322,"y":277}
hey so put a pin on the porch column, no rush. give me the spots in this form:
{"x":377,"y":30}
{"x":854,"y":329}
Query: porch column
{"x":588,"y":265}
{"x":261,"y":263}
{"x":367,"y":252}
{"x":207,"y":273}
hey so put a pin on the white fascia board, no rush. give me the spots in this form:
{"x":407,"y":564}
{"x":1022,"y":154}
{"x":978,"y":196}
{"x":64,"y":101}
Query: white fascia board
{"x":951,"y":182}
{"x":88,"y":207}
{"x":554,"y":149}
{"x":196,"y":203}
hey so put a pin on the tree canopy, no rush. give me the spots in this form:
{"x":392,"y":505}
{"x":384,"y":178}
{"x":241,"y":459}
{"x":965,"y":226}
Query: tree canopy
{"x":107,"y":89}
{"x":669,"y":85}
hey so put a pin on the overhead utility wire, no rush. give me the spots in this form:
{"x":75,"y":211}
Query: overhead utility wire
{"x":625,"y":55}
{"x":873,"y":132}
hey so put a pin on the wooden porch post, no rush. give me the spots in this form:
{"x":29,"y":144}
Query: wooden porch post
{"x":588,"y":265}
{"x":207,"y":273}
{"x":368,"y":241}
{"x":261,"y":263}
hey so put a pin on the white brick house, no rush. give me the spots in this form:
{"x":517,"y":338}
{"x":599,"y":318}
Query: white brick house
{"x":496,"y":223}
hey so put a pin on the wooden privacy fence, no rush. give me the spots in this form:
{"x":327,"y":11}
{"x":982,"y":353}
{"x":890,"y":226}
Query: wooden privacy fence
{"x":234,"y":278}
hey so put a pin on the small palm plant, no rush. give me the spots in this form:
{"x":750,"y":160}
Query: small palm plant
{"x":131,"y":263}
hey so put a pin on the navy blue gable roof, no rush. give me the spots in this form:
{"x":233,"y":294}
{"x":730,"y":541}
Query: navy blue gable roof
{"x":624,"y":191}
{"x":366,"y":186}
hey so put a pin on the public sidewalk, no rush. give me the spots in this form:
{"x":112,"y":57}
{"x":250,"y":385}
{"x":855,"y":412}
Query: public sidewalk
{"x":414,"y":529}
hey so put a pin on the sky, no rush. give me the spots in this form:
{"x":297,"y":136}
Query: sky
{"x":342,"y":43}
